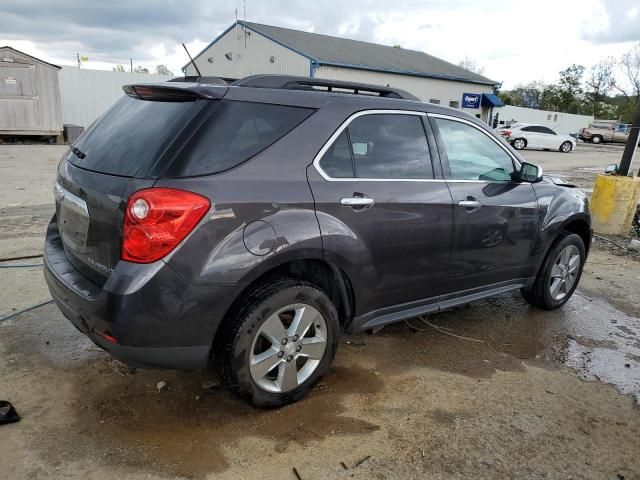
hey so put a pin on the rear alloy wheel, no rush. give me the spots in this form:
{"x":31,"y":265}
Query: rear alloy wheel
{"x":288,"y":348}
{"x":559,"y":274}
{"x":519,"y":143}
{"x":566,"y":147}
{"x":277,"y":345}
{"x":596,"y":139}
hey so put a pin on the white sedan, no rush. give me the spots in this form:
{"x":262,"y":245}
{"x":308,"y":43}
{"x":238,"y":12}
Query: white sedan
{"x":528,"y":135}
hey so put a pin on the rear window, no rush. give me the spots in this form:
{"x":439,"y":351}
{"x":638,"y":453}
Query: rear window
{"x":233,"y":133}
{"x":132,"y":136}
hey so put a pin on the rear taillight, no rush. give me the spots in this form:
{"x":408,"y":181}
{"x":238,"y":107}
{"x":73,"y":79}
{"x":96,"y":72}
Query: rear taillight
{"x":157,"y":220}
{"x":506,"y":133}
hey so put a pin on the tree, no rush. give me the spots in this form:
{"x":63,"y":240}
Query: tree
{"x":163,"y":70}
{"x":569,"y":89}
{"x":599,"y":83}
{"x":527,"y":95}
{"x":629,"y":64}
{"x":471,"y":65}
{"x":119,"y":68}
{"x":140,"y":69}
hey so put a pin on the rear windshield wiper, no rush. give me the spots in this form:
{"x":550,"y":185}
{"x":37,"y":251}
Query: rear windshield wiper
{"x":76,"y":151}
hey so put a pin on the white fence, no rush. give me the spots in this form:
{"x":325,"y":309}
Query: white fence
{"x":564,"y":123}
{"x":86,"y":94}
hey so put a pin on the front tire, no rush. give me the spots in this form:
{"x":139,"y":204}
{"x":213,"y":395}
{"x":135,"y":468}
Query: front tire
{"x":560,"y":273}
{"x":278,"y":344}
{"x":596,"y":139}
{"x":566,"y":147}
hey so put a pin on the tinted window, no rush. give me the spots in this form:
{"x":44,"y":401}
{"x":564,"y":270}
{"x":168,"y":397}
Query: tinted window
{"x":472,"y":154}
{"x":132,"y":135}
{"x":529,"y":129}
{"x":233,"y":133}
{"x":390,"y":146}
{"x":546,"y":130}
{"x":336,"y":162}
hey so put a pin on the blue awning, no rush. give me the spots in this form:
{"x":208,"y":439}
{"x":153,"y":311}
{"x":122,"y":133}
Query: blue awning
{"x":490,"y":100}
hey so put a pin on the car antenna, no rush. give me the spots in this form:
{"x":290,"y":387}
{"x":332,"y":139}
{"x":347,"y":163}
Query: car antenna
{"x":192,"y":62}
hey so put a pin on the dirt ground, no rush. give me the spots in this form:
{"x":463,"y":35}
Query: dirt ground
{"x":526,"y":394}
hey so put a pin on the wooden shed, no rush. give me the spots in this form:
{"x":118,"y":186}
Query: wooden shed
{"x":29,"y":95}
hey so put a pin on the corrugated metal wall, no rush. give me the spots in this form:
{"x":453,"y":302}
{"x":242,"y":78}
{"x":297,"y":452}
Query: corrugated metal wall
{"x":251,"y":53}
{"x":86,"y":94}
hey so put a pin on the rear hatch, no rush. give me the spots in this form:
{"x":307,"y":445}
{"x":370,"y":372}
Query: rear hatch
{"x":125,"y":150}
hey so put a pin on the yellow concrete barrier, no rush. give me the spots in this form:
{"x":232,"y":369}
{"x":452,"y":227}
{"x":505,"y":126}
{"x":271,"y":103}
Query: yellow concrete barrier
{"x":613,"y":203}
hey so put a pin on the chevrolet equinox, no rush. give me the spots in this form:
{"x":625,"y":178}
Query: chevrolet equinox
{"x":246,"y":226}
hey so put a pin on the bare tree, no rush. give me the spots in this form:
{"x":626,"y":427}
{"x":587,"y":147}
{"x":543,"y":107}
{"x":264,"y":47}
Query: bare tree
{"x":140,"y":69}
{"x":163,"y":70}
{"x":630,"y":66}
{"x":471,"y":65}
{"x":119,"y":68}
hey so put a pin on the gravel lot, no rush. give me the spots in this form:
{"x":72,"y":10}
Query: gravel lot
{"x":539,"y":395}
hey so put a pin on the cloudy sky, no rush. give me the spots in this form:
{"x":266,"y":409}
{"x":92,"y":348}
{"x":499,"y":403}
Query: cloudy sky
{"x":514,"y":40}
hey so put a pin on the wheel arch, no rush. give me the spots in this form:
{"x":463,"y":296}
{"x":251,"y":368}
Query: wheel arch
{"x":328,"y":277}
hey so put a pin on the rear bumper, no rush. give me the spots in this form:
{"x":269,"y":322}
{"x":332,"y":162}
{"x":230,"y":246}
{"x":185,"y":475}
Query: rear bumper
{"x":157,"y":319}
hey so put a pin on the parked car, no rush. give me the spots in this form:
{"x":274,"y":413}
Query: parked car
{"x":528,"y":135}
{"x":248,"y":226}
{"x":606,"y":132}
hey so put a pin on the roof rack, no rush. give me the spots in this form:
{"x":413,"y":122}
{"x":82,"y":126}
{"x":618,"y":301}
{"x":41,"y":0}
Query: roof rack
{"x":290,"y":82}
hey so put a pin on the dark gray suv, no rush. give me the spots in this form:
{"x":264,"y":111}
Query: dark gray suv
{"x":248,"y":225}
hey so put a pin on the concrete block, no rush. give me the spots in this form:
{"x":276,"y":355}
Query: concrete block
{"x":614,"y":203}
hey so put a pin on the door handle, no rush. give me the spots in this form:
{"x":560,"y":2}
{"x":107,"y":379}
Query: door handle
{"x":357,"y":202}
{"x":470,"y":205}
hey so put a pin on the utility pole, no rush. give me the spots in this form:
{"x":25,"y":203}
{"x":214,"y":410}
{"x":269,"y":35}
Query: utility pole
{"x":131,"y":65}
{"x":78,"y":59}
{"x":630,"y":148}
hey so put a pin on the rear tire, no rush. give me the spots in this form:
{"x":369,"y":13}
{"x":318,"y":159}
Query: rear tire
{"x":556,"y":281}
{"x":519,"y":143}
{"x":268,"y":371}
{"x":596,"y":139}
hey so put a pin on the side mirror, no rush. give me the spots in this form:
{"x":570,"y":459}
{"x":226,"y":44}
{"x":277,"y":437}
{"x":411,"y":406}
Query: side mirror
{"x":530,"y":173}
{"x":611,"y":169}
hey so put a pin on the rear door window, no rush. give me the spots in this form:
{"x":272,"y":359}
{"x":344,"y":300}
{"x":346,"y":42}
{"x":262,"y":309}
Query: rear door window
{"x":380,"y":146}
{"x":132,"y":136}
{"x":233,"y":133}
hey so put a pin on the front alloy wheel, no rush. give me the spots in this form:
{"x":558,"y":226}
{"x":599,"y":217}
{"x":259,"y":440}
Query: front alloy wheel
{"x":564,"y":272}
{"x":566,"y":147}
{"x":559,"y":274}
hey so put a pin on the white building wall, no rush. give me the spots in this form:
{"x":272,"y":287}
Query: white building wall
{"x":424,"y":88}
{"x":251,"y":53}
{"x":564,"y":123}
{"x":87,"y":94}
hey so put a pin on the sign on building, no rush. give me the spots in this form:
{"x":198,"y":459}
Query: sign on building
{"x":470,"y":100}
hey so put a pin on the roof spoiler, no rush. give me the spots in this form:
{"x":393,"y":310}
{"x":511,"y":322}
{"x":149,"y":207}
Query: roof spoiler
{"x":197,"y":79}
{"x":177,"y":92}
{"x":289,"y":82}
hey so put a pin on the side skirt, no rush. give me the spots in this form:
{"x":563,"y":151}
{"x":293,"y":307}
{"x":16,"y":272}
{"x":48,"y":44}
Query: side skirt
{"x":397,"y":313}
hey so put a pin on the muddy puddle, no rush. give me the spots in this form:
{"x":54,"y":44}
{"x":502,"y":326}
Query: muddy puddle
{"x":118,"y":415}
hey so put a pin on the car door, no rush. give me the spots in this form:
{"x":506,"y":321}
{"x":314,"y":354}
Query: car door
{"x":549,"y":138}
{"x":384,"y":219}
{"x":532,"y":135}
{"x":495,"y":216}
